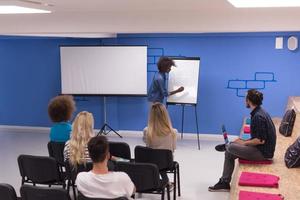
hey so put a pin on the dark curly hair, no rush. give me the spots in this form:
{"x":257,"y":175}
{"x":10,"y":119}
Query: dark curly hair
{"x":164,"y":63}
{"x":61,"y":108}
{"x":255,"y":97}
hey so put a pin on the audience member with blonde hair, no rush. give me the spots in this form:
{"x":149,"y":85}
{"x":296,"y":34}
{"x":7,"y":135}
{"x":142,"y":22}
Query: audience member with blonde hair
{"x":76,"y":150}
{"x":60,"y":110}
{"x":160,"y":134}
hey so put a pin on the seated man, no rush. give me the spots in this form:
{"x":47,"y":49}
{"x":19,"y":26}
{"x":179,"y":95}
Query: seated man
{"x":260,"y":146}
{"x":99,"y":182}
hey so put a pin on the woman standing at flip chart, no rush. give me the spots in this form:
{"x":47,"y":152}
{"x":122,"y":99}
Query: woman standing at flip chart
{"x":158,"y":88}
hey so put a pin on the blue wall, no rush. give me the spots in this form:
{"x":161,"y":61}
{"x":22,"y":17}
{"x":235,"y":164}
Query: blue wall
{"x":30,"y":76}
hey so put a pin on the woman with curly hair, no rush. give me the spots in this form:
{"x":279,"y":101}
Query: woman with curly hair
{"x":76,"y":150}
{"x":60,"y":110}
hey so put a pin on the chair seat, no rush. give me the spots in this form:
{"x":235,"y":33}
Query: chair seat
{"x":160,"y":186}
{"x":29,"y":192}
{"x":7,"y":192}
{"x":163,"y":159}
{"x":175,"y":164}
{"x":82,"y":197}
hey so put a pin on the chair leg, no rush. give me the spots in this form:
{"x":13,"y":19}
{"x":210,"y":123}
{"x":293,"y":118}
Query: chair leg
{"x":163,"y":194}
{"x":168,"y":192}
{"x":68,"y":185}
{"x":74,"y":191}
{"x":178,"y":180}
{"x":175,"y":183}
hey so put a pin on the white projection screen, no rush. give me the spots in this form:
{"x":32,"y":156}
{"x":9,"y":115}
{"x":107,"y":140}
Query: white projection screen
{"x":104,"y":70}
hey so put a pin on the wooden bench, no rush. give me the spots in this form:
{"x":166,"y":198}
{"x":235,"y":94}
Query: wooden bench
{"x":289,"y":184}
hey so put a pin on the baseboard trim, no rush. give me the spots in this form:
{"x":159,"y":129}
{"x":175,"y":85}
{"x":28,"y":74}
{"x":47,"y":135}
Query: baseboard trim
{"x":189,"y":136}
{"x":124,"y":133}
{"x":24,"y":129}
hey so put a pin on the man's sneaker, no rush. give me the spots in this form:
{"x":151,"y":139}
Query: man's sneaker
{"x":221,"y":186}
{"x":220,"y":147}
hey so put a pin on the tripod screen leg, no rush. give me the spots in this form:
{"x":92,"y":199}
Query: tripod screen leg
{"x":197,"y":127}
{"x":182,"y":122}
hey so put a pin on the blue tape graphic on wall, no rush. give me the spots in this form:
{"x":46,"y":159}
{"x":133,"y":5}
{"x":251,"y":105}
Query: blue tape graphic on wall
{"x":259,"y":83}
{"x":153,"y":55}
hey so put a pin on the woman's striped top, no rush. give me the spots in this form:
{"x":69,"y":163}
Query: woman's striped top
{"x":67,"y":152}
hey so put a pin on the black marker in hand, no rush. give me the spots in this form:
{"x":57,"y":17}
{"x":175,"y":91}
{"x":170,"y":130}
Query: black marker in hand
{"x":180,"y":89}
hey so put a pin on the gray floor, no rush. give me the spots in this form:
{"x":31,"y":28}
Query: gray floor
{"x":199,"y":169}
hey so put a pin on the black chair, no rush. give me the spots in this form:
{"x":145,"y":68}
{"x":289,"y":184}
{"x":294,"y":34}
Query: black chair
{"x":82,"y":197}
{"x":72,"y":171}
{"x":40,"y":170}
{"x":56,"y":150}
{"x":29,"y":192}
{"x":145,"y":177}
{"x":7,"y":192}
{"x":163,"y":158}
{"x":120,"y":149}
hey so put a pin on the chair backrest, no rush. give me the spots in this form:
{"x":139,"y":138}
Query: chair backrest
{"x":29,"y":192}
{"x":145,"y":176}
{"x":120,"y":149}
{"x":7,"y":192}
{"x":82,"y":197}
{"x":56,"y":150}
{"x":163,"y":158}
{"x":39,"y":169}
{"x":72,"y":171}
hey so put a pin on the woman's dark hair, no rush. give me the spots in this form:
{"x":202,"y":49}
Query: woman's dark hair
{"x":255,"y":97}
{"x":61,"y":108}
{"x":164,"y":63}
{"x":98,"y":148}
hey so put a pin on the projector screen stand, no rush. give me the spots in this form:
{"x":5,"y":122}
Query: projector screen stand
{"x":106,"y":129}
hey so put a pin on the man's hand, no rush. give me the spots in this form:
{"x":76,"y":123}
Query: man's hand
{"x":180,"y":89}
{"x":252,"y":142}
{"x":176,"y":91}
{"x":239,"y":141}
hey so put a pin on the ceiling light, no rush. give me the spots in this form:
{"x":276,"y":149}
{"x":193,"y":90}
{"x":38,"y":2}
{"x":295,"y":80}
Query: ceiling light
{"x":264,"y":3}
{"x":20,"y":10}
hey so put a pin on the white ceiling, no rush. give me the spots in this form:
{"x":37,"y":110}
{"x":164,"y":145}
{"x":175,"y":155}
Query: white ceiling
{"x":101,"y":18}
